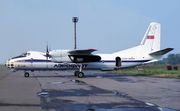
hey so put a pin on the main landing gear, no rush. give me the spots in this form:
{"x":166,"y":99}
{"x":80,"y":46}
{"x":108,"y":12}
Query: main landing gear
{"x":79,"y":73}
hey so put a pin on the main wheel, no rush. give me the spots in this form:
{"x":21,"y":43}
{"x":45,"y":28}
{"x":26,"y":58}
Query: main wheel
{"x":26,"y":74}
{"x":81,"y":75}
{"x":76,"y":73}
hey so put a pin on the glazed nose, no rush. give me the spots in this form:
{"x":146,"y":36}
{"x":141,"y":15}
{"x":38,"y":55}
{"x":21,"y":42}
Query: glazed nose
{"x":6,"y":63}
{"x":9,"y":64}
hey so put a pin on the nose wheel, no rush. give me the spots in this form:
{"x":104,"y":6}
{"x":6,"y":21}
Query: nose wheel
{"x":26,"y":74}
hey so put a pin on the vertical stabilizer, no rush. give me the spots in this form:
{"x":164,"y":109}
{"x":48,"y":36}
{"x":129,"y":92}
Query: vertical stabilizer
{"x":149,"y":44}
{"x":151,"y":40}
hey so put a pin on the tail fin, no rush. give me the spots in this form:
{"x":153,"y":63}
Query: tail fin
{"x":149,"y":44}
{"x":151,"y":40}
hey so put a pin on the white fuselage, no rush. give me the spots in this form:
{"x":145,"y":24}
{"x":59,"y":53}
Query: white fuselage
{"x":34,"y":60}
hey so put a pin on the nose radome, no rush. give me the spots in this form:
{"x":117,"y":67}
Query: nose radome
{"x":6,"y":63}
{"x":9,"y":64}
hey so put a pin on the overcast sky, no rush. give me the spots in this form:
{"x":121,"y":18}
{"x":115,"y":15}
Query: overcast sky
{"x":106,"y":25}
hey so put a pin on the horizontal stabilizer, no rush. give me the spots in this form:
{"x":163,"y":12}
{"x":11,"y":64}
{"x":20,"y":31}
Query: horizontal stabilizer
{"x":161,"y":52}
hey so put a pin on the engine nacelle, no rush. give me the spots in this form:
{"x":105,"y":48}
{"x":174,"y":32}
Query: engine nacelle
{"x":65,"y":56}
{"x":84,"y":58}
{"x":60,"y":56}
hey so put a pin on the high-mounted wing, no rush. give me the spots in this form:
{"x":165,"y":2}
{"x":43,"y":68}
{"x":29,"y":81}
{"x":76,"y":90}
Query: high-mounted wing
{"x":86,"y":51}
{"x":80,"y":56}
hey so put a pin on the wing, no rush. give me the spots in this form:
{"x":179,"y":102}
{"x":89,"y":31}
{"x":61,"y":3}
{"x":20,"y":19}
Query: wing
{"x":161,"y":52}
{"x":80,"y":56}
{"x":78,"y":52}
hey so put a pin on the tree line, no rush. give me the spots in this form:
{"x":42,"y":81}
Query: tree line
{"x":172,"y":59}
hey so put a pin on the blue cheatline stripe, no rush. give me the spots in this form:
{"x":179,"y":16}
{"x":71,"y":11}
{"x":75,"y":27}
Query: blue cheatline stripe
{"x":41,"y":60}
{"x":126,"y":61}
{"x":37,"y":60}
{"x":34,"y":60}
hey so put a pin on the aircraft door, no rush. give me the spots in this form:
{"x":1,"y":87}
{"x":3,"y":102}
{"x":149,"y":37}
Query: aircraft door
{"x":118,"y":62}
{"x":31,"y":61}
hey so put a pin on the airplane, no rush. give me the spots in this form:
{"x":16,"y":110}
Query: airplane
{"x":147,"y":51}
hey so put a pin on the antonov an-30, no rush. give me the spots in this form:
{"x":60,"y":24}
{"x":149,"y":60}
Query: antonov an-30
{"x":148,"y":51}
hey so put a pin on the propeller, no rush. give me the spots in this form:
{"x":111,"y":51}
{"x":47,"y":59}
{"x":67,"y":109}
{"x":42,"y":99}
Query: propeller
{"x":47,"y":54}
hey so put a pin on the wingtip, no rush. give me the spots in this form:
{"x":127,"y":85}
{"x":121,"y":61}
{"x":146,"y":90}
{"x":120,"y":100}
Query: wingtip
{"x":92,"y":49}
{"x":170,"y":48}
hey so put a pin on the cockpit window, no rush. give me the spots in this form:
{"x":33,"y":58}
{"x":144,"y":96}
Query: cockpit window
{"x":28,"y":54}
{"x":22,"y":55}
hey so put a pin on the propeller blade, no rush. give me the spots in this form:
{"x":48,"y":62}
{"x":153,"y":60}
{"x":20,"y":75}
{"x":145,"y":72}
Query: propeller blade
{"x":47,"y":51}
{"x":47,"y":55}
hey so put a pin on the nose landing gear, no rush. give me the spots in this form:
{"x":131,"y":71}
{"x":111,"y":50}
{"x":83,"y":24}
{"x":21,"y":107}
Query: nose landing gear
{"x":26,"y":74}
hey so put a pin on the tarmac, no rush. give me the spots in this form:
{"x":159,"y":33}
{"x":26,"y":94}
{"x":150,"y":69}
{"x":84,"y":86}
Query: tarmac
{"x":97,"y":91}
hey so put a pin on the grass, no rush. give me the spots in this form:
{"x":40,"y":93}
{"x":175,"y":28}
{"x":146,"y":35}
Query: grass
{"x":151,"y":70}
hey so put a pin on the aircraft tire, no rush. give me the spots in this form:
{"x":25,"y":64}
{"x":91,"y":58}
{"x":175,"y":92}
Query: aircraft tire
{"x":81,"y":75}
{"x":26,"y":74}
{"x":76,"y":73}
